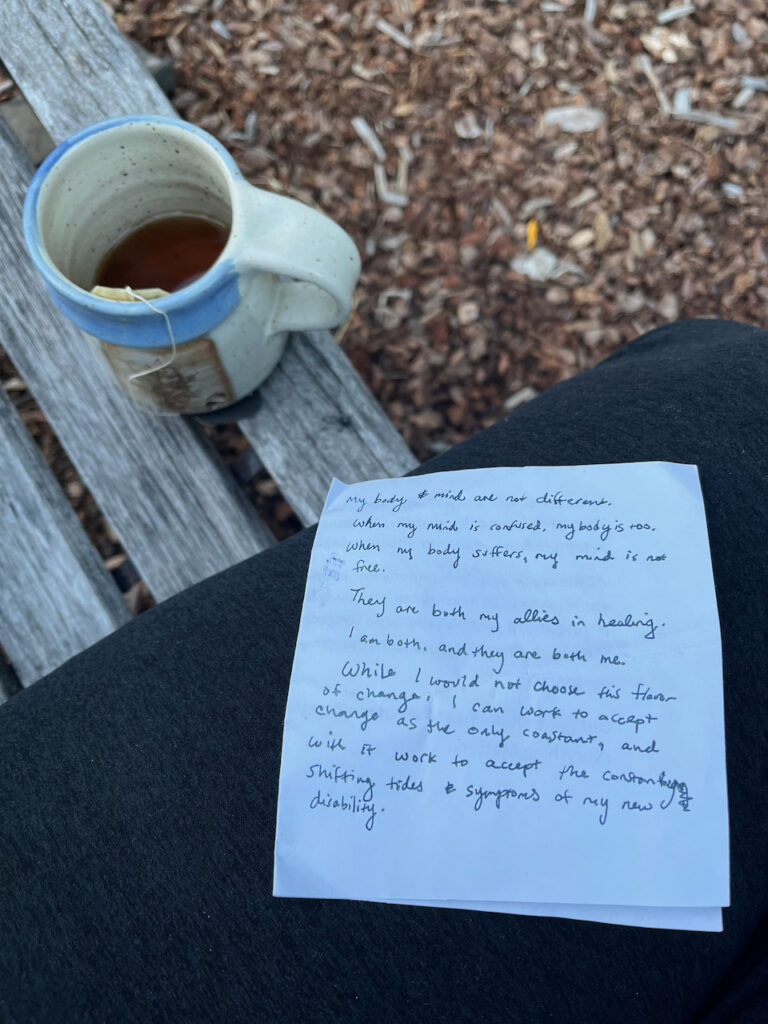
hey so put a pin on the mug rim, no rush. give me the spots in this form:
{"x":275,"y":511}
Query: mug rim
{"x":212,"y":279}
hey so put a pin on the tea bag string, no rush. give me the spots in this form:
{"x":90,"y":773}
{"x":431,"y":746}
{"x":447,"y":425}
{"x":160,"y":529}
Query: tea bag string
{"x":164,"y":315}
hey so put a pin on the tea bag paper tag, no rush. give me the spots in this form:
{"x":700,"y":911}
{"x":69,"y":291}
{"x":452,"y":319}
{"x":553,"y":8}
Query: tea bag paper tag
{"x":507,"y":695}
{"x":123,"y":295}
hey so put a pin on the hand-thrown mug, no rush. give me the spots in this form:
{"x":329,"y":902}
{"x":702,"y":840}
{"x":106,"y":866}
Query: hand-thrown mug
{"x":284,"y":267}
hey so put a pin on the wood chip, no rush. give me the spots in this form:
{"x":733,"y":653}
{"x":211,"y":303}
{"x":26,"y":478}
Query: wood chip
{"x":603,"y":232}
{"x":673,"y":13}
{"x":520,"y":397}
{"x":581,"y":239}
{"x":404,"y":161}
{"x":367,"y":74}
{"x":743,"y":97}
{"x":384,"y":192}
{"x":394,"y":33}
{"x":467,"y":313}
{"x":666,"y":44}
{"x":644,"y":63}
{"x":585,"y":196}
{"x":669,"y":306}
{"x":573,"y":119}
{"x":531,"y":206}
{"x":467,"y":127}
{"x":501,"y":211}
{"x":707,"y":117}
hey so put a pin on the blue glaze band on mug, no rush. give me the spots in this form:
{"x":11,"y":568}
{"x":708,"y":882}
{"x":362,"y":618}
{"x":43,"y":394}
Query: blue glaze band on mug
{"x":284,"y":267}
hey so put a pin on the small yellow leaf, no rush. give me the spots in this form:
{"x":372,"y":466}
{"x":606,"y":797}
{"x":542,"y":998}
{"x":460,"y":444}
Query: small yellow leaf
{"x":532,"y":233}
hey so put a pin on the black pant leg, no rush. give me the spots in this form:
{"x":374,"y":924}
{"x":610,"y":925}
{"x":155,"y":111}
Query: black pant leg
{"x":138,"y":783}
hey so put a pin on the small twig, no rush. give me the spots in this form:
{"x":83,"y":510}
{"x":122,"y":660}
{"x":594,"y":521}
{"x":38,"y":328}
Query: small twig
{"x":590,"y":9}
{"x":750,"y":82}
{"x":743,"y":97}
{"x":502,"y":212}
{"x":644,"y":63}
{"x":520,"y":397}
{"x":532,"y":206}
{"x":682,"y":111}
{"x":394,"y":33}
{"x":369,"y":137}
{"x":728,"y":124}
{"x":448,"y":41}
{"x":249,"y":128}
{"x":673,"y":13}
{"x":404,"y":161}
{"x":175,"y":47}
{"x":384,"y":192}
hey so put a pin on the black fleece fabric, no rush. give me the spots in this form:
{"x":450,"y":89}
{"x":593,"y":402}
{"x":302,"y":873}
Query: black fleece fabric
{"x":138,"y":783}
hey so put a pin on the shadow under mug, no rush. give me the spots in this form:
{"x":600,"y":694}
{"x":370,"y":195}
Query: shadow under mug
{"x":285,"y":267}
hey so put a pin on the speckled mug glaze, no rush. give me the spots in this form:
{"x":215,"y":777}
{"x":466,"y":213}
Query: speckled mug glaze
{"x":285,"y":266}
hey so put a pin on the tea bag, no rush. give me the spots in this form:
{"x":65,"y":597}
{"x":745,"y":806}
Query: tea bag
{"x":128,"y":294}
{"x":123,"y":295}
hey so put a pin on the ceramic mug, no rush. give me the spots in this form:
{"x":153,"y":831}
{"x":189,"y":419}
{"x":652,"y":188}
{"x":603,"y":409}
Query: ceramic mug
{"x":285,"y":267}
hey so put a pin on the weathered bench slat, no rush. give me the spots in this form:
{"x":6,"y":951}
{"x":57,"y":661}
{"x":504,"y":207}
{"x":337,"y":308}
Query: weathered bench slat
{"x":293,"y":432}
{"x":73,"y":64}
{"x":167,"y":494}
{"x":56,"y":597}
{"x":335,"y":407}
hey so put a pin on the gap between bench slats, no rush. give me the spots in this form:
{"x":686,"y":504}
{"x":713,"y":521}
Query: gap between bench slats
{"x":56,"y":597}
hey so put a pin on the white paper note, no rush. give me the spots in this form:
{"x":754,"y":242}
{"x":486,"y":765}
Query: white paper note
{"x":507,"y":689}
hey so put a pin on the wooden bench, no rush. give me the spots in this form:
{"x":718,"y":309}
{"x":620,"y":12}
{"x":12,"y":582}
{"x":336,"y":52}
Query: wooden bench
{"x":173,"y":503}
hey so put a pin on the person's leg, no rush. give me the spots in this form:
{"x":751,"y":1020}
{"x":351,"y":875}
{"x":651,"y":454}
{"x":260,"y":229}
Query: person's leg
{"x":138,"y":783}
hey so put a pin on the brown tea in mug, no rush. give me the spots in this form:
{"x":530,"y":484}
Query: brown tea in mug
{"x":169,"y":253}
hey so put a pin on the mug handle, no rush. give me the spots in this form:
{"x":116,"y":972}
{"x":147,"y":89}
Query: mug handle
{"x":283,"y":236}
